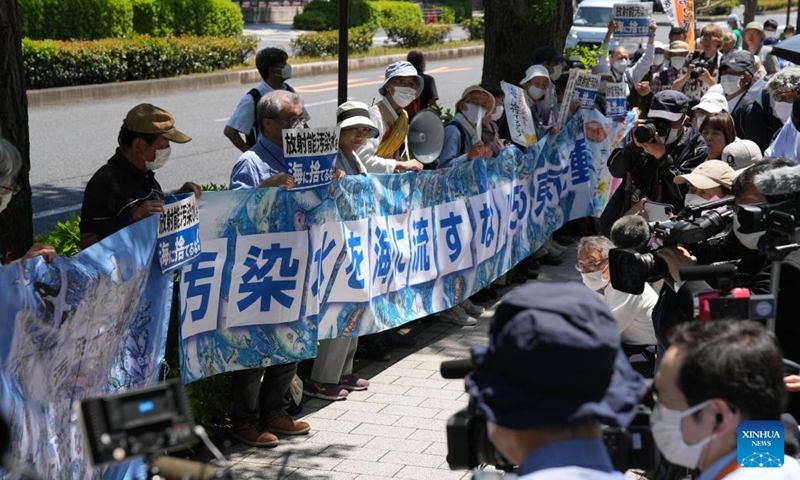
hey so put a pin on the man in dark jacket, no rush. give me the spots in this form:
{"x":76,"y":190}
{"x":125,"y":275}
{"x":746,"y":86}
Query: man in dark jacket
{"x":676,"y":148}
{"x":736,"y":78}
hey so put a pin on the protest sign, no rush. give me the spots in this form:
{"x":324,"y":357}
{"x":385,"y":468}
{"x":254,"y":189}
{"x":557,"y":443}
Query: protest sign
{"x":79,"y":327}
{"x":681,"y":14}
{"x":518,"y":115}
{"x":586,"y":89}
{"x":633,"y":19}
{"x":310,"y":155}
{"x":281,"y":270}
{"x":569,"y":92}
{"x":616,"y":103}
{"x":178,"y":238}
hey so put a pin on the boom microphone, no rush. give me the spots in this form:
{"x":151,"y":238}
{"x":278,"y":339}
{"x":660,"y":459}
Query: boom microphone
{"x":171,"y":468}
{"x":779,"y":181}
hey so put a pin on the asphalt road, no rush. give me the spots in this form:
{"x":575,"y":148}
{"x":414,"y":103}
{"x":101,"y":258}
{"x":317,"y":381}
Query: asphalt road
{"x":69,"y":143}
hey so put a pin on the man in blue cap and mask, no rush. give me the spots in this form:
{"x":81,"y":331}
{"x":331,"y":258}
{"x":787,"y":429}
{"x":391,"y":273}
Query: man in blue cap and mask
{"x":553,"y":372}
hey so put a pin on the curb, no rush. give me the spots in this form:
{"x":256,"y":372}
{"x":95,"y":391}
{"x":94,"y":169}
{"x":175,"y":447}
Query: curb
{"x":85,"y":93}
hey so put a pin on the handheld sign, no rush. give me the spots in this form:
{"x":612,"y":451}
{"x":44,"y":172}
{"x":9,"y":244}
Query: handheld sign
{"x":569,"y":92}
{"x":633,"y":19}
{"x":178,"y":232}
{"x":586,"y":89}
{"x":476,"y":138}
{"x":310,"y":155}
{"x":518,"y":115}
{"x":615,"y":100}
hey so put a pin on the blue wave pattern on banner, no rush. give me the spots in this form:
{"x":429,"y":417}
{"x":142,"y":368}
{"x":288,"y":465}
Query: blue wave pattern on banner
{"x":84,"y":326}
{"x":282,"y":269}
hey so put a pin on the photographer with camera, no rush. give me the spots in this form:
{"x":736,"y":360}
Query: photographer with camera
{"x":548,"y":420}
{"x":657,"y":150}
{"x":703,"y":69}
{"x":753,"y":267}
{"x":713,"y":376}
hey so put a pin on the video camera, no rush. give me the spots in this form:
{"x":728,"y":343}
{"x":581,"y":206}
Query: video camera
{"x":631,"y":268}
{"x":780,"y":221}
{"x":727,"y":302}
{"x":469,"y":446}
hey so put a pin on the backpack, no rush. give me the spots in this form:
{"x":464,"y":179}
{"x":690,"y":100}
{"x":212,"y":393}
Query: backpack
{"x":252,"y":136}
{"x":466,"y":140}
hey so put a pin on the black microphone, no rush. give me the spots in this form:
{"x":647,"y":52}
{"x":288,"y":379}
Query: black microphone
{"x":708,"y":272}
{"x":630,"y":231}
{"x":456,"y":369}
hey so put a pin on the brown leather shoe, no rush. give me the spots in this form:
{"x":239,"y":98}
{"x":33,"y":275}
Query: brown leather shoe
{"x":253,"y":432}
{"x":287,"y":426}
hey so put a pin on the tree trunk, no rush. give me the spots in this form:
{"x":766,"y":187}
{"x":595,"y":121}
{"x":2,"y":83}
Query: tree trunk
{"x":749,"y":10}
{"x":16,"y":222}
{"x":515,"y":28}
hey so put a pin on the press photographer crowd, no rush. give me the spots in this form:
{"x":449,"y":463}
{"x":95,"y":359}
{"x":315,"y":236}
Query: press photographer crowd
{"x":684,"y":332}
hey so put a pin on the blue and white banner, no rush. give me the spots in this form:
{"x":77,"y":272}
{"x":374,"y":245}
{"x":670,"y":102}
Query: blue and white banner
{"x":282,"y":269}
{"x":586,"y":85}
{"x":616,"y":103}
{"x":80,"y":327}
{"x":178,"y":235}
{"x":633,"y":19}
{"x":310,"y":155}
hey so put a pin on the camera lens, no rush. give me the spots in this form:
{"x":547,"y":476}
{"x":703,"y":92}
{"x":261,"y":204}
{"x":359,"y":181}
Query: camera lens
{"x":645,"y":133}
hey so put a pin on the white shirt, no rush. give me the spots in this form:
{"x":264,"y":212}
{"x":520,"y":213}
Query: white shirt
{"x":572,"y":473}
{"x":372,"y":162}
{"x":634,"y":314}
{"x":786,"y":143}
{"x":244,"y":116}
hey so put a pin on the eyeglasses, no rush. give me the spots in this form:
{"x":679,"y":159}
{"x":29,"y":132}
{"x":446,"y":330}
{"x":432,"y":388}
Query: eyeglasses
{"x":589,"y":266}
{"x":14,"y":188}
{"x":291,"y":123}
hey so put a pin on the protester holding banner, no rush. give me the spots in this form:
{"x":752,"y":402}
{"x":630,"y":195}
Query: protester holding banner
{"x":736,"y":78}
{"x":125,"y":190}
{"x":703,"y":69}
{"x":490,"y":133}
{"x":10,"y":164}
{"x":401,"y":86}
{"x":461,"y":141}
{"x":619,"y":61}
{"x":644,"y":89}
{"x":259,"y":404}
{"x":541,"y":98}
{"x":675,"y":148}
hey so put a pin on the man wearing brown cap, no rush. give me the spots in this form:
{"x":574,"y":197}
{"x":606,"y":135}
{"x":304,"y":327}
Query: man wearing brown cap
{"x":124,"y":190}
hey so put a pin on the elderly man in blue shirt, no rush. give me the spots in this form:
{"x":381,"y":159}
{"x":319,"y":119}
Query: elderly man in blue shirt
{"x":260,"y":404}
{"x":546,"y":416}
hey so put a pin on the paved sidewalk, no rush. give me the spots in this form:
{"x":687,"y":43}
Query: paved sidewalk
{"x":396,"y":429}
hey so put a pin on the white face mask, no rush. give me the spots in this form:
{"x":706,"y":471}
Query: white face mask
{"x":782,"y":110}
{"x":620,"y":65}
{"x":692,"y":199}
{"x":673,"y":135}
{"x":556,"y":73}
{"x":658,"y":59}
{"x":536,"y":93}
{"x":666,"y":428}
{"x":403,"y":96}
{"x":5,"y":198}
{"x":730,"y":84}
{"x":677,"y":62}
{"x":497,"y":113}
{"x":161,"y":159}
{"x":698,"y":120}
{"x":594,"y":280}
{"x":770,"y":34}
{"x":472,"y":113}
{"x":749,"y":240}
{"x":286,"y":72}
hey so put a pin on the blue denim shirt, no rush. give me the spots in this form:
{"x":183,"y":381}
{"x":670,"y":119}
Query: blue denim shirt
{"x":261,"y":162}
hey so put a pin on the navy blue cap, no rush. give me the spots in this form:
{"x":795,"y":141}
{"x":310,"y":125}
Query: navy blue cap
{"x":554,"y":357}
{"x":670,"y":105}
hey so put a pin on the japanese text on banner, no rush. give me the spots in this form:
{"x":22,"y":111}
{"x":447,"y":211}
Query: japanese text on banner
{"x":178,"y":235}
{"x":310,"y":155}
{"x":518,"y":115}
{"x":586,"y":89}
{"x":633,"y":19}
{"x":615,"y":100}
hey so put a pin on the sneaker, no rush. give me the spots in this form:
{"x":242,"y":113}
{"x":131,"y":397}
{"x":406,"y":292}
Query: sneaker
{"x":287,"y":426}
{"x":465,"y":318}
{"x":353,"y":382}
{"x":471,"y":308}
{"x":324,"y":391}
{"x":254,"y":433}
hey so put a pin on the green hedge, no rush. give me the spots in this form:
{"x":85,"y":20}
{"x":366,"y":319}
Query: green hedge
{"x":321,"y":15}
{"x":326,"y":44}
{"x":409,"y":34}
{"x":318,"y":15}
{"x":476,"y":28}
{"x":461,"y":10}
{"x":387,"y":12}
{"x":770,"y":5}
{"x":96,"y":19}
{"x":50,"y":63}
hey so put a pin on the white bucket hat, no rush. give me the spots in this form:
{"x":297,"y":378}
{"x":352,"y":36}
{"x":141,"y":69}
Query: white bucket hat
{"x":355,"y":114}
{"x":401,"y":69}
{"x":535,"y":71}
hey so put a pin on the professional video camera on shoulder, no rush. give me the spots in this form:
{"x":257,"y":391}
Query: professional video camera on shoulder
{"x":525,"y":413}
{"x":701,"y":229}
